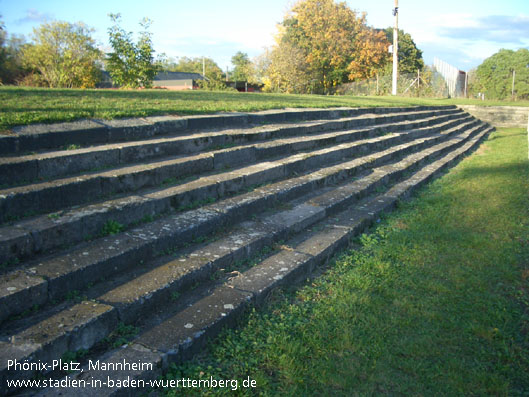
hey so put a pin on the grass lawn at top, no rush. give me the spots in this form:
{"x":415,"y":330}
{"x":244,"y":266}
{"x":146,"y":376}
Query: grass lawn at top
{"x":20,"y":106}
{"x":433,"y":301}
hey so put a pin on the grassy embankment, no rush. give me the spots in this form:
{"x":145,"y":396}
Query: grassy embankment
{"x":20,"y":106}
{"x":433,"y":301}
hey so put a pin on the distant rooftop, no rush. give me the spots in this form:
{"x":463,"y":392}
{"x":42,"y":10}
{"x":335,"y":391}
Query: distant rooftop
{"x":178,"y":76}
{"x":167,"y":76}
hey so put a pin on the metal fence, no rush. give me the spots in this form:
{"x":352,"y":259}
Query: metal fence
{"x":456,"y":80}
{"x":427,"y":83}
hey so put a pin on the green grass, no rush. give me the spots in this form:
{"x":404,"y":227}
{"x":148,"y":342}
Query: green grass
{"x":21,"y":106}
{"x":433,"y":301}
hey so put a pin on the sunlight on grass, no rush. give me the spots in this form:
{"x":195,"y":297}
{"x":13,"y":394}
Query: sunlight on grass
{"x":433,"y":301}
{"x":20,"y":106}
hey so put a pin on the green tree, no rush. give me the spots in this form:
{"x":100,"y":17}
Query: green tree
{"x":3,"y":52}
{"x":242,"y":67}
{"x":473,"y":83}
{"x":12,"y":69}
{"x":494,"y":76}
{"x":289,"y":70}
{"x":131,"y":65}
{"x":63,"y":55}
{"x":194,"y":65}
{"x":261,"y":66}
{"x":410,"y":57}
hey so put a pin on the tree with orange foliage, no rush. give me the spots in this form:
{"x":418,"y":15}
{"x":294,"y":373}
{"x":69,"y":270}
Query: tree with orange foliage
{"x":335,"y":42}
{"x":370,"y":55}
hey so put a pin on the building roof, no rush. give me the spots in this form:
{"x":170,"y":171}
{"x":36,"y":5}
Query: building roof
{"x":178,"y":76}
{"x":170,"y":77}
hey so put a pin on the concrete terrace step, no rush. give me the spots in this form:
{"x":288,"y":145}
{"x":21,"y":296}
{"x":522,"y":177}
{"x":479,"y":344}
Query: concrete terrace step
{"x":179,"y":336}
{"x":156,"y":285}
{"x":183,"y":333}
{"x":141,"y":295}
{"x":54,"y":164}
{"x":88,"y":132}
{"x":40,"y":234}
{"x":195,"y":220}
{"x":51,"y":278}
{"x":45,"y":232}
{"x":21,"y":200}
{"x":194,"y":254}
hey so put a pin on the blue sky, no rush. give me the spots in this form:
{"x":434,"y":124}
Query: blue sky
{"x":461,"y":32}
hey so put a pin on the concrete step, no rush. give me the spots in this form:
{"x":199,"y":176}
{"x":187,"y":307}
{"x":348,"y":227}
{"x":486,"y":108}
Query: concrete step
{"x":182,"y":334}
{"x":89,"y":132}
{"x":22,"y":239}
{"x":143,"y":294}
{"x":152,"y":289}
{"x":49,"y":277}
{"x":15,"y":170}
{"x":175,"y":339}
{"x":41,"y":197}
{"x":189,"y":257}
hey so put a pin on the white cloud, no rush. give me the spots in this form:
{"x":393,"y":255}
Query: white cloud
{"x":453,"y":20}
{"x":33,"y":15}
{"x":465,"y":40}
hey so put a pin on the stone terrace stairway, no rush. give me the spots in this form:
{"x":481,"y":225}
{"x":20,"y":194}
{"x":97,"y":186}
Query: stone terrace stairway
{"x":170,"y":227}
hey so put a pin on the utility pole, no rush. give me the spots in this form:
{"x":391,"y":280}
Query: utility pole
{"x":513,"y":77}
{"x":395,"y":47}
{"x":204,"y":67}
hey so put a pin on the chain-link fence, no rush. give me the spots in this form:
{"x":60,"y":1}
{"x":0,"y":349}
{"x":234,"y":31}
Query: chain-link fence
{"x":426,"y":83}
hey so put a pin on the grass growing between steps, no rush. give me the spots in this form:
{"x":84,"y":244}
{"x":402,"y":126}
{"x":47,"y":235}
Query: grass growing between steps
{"x":433,"y":301}
{"x":20,"y":106}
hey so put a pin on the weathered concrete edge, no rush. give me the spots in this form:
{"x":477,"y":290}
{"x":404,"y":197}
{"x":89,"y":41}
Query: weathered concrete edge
{"x":36,"y":237}
{"x":367,"y":214}
{"x":55,"y":285}
{"x":226,"y":304}
{"x":500,"y":116}
{"x":90,"y":131}
{"x":229,"y":315}
{"x":33,"y":167}
{"x":251,"y":290}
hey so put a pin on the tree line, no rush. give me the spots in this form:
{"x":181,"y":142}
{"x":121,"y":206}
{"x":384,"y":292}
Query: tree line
{"x":504,"y":75}
{"x":64,"y":55}
{"x":319,"y":45}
